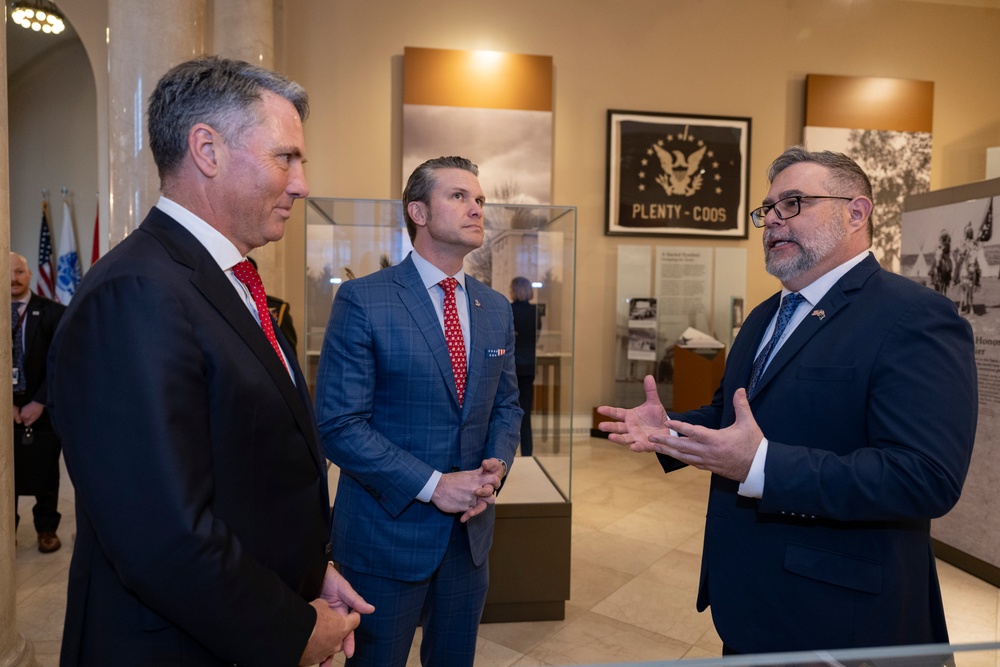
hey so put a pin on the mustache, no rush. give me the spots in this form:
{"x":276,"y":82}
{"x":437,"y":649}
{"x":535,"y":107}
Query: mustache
{"x":771,"y":237}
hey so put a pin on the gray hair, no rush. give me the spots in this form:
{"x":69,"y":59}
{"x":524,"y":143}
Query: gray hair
{"x":219,"y":92}
{"x":847,"y":178}
{"x":422,"y":182}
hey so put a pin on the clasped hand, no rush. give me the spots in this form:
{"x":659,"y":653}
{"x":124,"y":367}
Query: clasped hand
{"x":338,"y":613}
{"x":28,"y":414}
{"x":728,"y":452}
{"x":468,"y":491}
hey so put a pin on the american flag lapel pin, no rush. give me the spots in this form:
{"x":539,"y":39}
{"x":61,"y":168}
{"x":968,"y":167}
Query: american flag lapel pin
{"x":496,"y":352}
{"x":820,"y":313}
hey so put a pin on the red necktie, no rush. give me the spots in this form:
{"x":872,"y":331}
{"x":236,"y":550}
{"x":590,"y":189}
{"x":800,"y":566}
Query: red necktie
{"x":453,"y":335}
{"x":248,"y":275}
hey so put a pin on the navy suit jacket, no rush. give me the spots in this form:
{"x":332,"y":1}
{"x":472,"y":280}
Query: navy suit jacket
{"x":41,"y":317}
{"x":389,"y":415}
{"x":870,"y":411}
{"x":202,"y":509}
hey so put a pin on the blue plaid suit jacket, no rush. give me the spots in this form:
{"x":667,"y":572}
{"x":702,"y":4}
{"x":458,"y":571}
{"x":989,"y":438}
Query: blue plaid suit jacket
{"x":388,"y":415}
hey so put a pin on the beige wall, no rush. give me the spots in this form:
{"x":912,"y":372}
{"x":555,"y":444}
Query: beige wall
{"x":53,"y":144}
{"x":715,"y":57}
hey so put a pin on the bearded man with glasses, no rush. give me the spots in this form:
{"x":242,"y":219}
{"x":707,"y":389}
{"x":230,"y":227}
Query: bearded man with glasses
{"x":844,"y":423}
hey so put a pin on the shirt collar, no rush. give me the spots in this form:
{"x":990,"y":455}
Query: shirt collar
{"x":431,"y":275}
{"x":218,"y":246}
{"x":818,"y":288}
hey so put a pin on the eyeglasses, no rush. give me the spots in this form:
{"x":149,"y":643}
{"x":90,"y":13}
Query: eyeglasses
{"x":786,"y":208}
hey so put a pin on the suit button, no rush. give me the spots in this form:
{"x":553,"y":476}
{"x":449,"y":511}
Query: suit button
{"x":328,"y":548}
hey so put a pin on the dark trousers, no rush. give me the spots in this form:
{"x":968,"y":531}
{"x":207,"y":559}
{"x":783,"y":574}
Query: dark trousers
{"x":45,"y":512}
{"x":526,"y":397}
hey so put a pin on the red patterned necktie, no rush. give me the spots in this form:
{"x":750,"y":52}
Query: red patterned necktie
{"x":453,"y":335}
{"x":248,"y":275}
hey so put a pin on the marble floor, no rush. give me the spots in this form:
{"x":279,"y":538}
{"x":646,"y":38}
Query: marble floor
{"x":636,"y":547}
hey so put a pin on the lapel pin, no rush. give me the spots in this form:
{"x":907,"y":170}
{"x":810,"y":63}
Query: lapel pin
{"x":478,"y":305}
{"x":820,"y":313}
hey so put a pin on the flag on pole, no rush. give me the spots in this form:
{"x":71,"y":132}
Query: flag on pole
{"x":96,"y":252}
{"x":45,"y":284}
{"x":68,"y":276}
{"x":986,"y":229}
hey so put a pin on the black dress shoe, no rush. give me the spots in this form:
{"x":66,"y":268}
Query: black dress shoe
{"x":48,"y":542}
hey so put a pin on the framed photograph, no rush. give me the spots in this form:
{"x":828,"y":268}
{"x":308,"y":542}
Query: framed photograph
{"x":677,"y":175}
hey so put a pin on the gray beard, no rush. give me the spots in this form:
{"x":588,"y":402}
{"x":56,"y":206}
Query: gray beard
{"x":810,"y":254}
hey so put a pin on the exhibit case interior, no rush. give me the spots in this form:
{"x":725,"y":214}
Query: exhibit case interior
{"x":351,"y":238}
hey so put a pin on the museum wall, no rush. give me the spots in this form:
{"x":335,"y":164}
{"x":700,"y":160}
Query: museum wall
{"x":712,"y":57}
{"x":53,"y":144}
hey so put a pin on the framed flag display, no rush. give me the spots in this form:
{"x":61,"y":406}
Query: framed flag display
{"x":677,"y":175}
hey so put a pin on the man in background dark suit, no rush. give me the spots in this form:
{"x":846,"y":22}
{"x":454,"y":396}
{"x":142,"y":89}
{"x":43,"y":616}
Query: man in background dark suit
{"x":202,"y":509}
{"x":421,"y":443}
{"x":33,"y":324}
{"x":832,"y":448}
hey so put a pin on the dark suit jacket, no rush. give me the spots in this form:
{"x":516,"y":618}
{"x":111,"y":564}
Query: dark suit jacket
{"x":870,"y":411}
{"x":389,"y":415}
{"x":41,"y":317}
{"x":202,"y":512}
{"x":526,"y":326}
{"x":37,"y":470}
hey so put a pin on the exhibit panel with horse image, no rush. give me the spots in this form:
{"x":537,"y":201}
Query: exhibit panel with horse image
{"x":948,"y":243}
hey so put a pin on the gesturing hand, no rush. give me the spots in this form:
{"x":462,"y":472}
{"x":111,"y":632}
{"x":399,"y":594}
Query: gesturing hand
{"x":635,"y":425}
{"x":728,"y":452}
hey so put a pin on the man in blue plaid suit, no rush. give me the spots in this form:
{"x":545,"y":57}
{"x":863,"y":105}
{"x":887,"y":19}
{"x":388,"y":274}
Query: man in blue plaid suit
{"x":420,"y":458}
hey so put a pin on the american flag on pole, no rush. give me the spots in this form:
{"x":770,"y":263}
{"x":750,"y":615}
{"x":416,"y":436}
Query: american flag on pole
{"x":45,"y":285}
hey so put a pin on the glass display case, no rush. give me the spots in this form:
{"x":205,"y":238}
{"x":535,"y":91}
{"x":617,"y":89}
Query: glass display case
{"x":923,"y":655}
{"x":351,"y":238}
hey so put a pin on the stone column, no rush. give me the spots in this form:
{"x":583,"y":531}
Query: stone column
{"x":146,"y":38}
{"x":244,"y":30}
{"x":15,"y":650}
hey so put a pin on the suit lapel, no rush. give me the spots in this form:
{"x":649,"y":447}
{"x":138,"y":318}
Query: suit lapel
{"x":417,"y":302}
{"x":477,"y":350}
{"x":836,"y":299}
{"x":753,"y":330}
{"x":211,"y":281}
{"x":32,"y":314}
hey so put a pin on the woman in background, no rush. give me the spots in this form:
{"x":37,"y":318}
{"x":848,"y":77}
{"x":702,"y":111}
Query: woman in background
{"x":526,"y":326}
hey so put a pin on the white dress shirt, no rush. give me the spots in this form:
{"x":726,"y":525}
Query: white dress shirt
{"x":753,"y":487}
{"x":431,"y":275}
{"x":222,"y":251}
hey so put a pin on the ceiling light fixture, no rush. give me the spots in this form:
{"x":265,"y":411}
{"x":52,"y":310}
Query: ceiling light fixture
{"x":38,"y":16}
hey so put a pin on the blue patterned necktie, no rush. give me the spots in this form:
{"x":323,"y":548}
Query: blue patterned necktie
{"x":788,"y":306}
{"x":17,"y":349}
